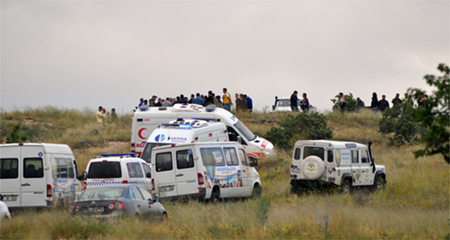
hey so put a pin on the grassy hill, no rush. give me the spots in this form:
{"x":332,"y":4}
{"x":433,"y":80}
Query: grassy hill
{"x":414,"y":205}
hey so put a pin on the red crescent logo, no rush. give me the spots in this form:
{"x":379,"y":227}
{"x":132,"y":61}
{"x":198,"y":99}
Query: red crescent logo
{"x":140,"y":133}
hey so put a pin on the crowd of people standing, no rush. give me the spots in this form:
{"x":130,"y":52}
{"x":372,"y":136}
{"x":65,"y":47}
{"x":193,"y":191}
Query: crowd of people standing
{"x":382,"y":104}
{"x":242,"y":101}
{"x":103,"y":115}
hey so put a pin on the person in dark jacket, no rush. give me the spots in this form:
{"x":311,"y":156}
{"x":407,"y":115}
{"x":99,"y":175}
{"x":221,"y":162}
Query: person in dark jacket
{"x":396,"y":101}
{"x":383,"y":104}
{"x":374,"y":103}
{"x":359,"y":104}
{"x":294,"y":101}
{"x":304,"y":104}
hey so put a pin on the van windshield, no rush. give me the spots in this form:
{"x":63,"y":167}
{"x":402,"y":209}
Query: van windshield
{"x":104,"y":170}
{"x":147,"y":153}
{"x":245,"y":131}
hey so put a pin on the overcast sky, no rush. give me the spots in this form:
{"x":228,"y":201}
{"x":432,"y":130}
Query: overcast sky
{"x":82,"y":54}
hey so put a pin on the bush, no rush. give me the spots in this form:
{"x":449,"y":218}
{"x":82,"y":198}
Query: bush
{"x":297,"y":127}
{"x":399,"y":121}
{"x":351,"y":103}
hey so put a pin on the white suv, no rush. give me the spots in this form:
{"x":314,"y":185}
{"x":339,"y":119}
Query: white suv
{"x":319,"y":164}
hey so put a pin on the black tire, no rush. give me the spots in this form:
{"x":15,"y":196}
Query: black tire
{"x":215,"y":197}
{"x":256,"y":192}
{"x":346,"y":186}
{"x":379,"y":183}
{"x":164,"y":218}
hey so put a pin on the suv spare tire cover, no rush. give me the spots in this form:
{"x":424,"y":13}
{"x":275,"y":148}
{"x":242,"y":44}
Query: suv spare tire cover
{"x":312,"y":167}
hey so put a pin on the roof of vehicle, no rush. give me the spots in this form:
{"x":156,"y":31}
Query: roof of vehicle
{"x":117,"y":157}
{"x":49,"y":147}
{"x":330,"y":144}
{"x":199,"y":144}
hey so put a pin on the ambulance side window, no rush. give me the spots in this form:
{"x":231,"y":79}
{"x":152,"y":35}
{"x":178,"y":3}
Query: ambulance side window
{"x":33,"y":168}
{"x":354,"y":156}
{"x":70,"y":168}
{"x":8,"y":168}
{"x":364,"y":157}
{"x":164,"y":162}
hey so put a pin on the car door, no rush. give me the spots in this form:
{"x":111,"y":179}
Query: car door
{"x":366,"y":168}
{"x":33,"y":182}
{"x":164,"y":174}
{"x":247,"y":175}
{"x":139,"y":202}
{"x":154,"y":208}
{"x":185,"y":172}
{"x":356,"y":167}
{"x":10,"y":181}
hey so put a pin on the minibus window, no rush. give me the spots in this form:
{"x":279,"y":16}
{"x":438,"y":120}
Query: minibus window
{"x":33,"y":168}
{"x":8,"y":168}
{"x":231,"y":156}
{"x":70,"y":169}
{"x":62,"y":168}
{"x":243,"y":157}
{"x":215,"y":154}
{"x":314,"y":151}
{"x":164,"y":162}
{"x":104,"y":170}
{"x":184,"y":159}
{"x":134,"y":170}
{"x":147,"y":153}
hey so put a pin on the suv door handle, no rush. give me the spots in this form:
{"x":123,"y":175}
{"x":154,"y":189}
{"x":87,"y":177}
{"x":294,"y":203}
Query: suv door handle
{"x":26,"y":185}
{"x":180,"y":175}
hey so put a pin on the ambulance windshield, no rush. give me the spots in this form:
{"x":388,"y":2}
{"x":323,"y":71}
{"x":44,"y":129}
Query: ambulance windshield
{"x":245,"y":131}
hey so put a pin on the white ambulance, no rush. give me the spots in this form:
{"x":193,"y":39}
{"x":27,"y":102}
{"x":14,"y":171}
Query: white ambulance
{"x":145,"y":120}
{"x":204,"y":171}
{"x":117,"y":169}
{"x":37,"y":175}
{"x":185,"y":131}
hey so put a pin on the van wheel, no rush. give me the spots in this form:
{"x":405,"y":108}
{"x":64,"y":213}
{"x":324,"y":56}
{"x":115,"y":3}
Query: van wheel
{"x":346,"y":186}
{"x":379,"y":183}
{"x":164,"y":218}
{"x":297,"y":190}
{"x":215,"y":197}
{"x":257,"y":190}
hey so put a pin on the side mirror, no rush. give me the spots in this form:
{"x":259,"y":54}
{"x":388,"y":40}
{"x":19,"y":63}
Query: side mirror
{"x":148,"y":175}
{"x":273,"y":107}
{"x":253,"y":162}
{"x":1,"y":197}
{"x":83,"y":176}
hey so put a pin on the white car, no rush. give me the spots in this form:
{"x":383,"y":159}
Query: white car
{"x":319,"y":164}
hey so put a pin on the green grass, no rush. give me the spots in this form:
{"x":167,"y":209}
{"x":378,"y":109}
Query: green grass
{"x":414,"y":205}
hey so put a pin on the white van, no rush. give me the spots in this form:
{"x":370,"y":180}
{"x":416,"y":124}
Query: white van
{"x":117,"y":169}
{"x":204,"y":170}
{"x":37,"y":175}
{"x":185,"y":131}
{"x":145,"y":120}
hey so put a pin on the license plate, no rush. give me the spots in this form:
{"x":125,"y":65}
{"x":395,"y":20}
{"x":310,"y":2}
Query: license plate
{"x":96,"y":210}
{"x":10,"y":198}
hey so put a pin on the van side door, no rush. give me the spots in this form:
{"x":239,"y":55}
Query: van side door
{"x":247,"y":173}
{"x":33,"y":180}
{"x":185,"y":172}
{"x":10,"y":167}
{"x":164,"y":174}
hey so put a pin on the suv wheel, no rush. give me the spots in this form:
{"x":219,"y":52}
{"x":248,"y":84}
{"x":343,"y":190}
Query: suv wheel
{"x":379,"y":183}
{"x":346,"y":186}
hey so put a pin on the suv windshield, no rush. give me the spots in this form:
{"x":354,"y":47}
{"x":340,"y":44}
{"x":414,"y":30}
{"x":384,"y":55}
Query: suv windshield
{"x":104,"y":170}
{"x":147,"y":153}
{"x":245,"y":131}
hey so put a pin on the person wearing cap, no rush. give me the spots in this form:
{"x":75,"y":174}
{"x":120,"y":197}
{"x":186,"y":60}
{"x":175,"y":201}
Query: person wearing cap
{"x":383,"y":104}
{"x":226,"y":99}
{"x":294,"y":101}
{"x":99,"y":115}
